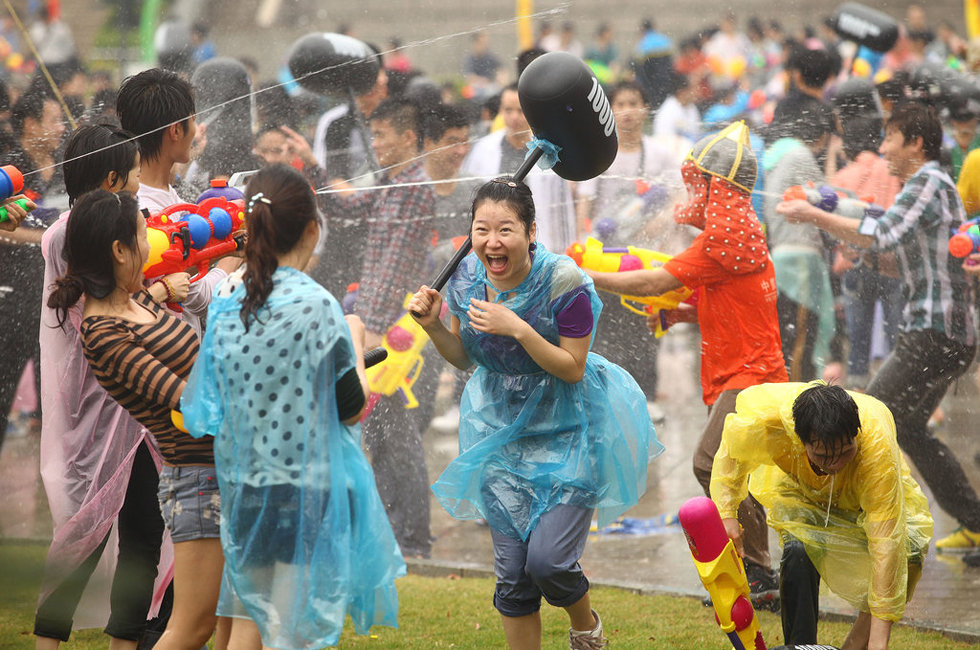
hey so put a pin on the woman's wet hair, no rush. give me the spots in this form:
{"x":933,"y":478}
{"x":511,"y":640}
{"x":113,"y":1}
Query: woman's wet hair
{"x":505,"y":189}
{"x":98,"y":219}
{"x":280,"y":204}
{"x":92,"y":153}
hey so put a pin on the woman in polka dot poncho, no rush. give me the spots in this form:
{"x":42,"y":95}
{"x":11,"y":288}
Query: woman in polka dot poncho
{"x":280,"y":385}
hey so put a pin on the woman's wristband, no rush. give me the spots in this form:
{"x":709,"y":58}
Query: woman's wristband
{"x":171,"y":294}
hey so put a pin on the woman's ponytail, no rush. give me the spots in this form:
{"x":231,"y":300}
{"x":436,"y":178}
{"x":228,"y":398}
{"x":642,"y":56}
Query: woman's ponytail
{"x":280,"y":206}
{"x":261,"y":255}
{"x":68,"y":290}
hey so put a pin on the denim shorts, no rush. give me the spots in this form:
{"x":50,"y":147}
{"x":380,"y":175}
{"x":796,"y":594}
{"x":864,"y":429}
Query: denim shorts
{"x":189,"y":502}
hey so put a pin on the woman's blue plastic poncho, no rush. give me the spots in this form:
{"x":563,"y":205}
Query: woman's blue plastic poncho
{"x":529,"y":441}
{"x":305,"y":536}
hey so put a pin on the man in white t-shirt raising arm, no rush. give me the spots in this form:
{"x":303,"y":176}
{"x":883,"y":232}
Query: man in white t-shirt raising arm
{"x":158,"y":107}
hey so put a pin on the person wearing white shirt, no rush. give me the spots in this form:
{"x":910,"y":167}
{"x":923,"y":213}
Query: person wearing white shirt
{"x":165,"y":131}
{"x":678,"y":116}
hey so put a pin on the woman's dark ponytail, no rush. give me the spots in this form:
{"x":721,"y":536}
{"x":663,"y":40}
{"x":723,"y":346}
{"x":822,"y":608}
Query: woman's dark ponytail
{"x":68,"y":290}
{"x":261,"y":259}
{"x":280,"y":204}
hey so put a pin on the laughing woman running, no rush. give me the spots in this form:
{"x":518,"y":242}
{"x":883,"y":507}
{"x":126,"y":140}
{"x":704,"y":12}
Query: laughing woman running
{"x":549,"y":433}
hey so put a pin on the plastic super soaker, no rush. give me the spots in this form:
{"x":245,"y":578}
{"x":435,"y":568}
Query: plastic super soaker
{"x":722,"y":573}
{"x":829,"y":199}
{"x":966,"y":240}
{"x":593,"y":255}
{"x":11,"y":184}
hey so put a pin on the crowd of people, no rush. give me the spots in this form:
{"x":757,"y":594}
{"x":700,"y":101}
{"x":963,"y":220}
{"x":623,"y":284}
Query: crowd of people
{"x":286,"y":460}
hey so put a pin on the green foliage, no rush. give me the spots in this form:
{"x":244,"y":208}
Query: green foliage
{"x":458,"y":613}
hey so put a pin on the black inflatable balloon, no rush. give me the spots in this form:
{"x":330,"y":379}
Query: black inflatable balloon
{"x":330,"y":64}
{"x":565,"y":105}
{"x":865,"y":26}
{"x":223,"y":95}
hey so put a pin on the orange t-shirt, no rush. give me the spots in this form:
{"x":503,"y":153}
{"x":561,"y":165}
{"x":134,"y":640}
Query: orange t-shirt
{"x":740,"y":344}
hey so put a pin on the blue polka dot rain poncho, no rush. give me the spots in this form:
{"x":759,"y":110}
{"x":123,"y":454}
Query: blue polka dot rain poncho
{"x":528,"y":440}
{"x":305,"y":536}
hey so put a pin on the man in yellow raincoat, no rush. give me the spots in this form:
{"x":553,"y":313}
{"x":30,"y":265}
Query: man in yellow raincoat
{"x":825,"y":464}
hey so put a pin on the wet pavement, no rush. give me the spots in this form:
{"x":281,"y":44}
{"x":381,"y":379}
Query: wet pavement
{"x":945,"y":598}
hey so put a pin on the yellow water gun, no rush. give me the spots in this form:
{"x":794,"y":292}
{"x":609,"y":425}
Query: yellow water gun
{"x":593,"y":255}
{"x":399,"y":371}
{"x":722,"y":573}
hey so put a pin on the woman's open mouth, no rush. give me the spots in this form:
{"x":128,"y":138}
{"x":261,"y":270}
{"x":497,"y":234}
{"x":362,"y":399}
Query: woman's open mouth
{"x":497,"y":264}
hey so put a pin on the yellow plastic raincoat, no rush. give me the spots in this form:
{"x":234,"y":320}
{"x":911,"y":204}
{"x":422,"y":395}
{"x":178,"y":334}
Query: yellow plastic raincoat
{"x":866,"y":529}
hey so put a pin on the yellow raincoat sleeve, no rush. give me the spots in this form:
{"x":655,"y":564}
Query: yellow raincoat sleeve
{"x":879,"y":487}
{"x":969,"y":184}
{"x":748,"y":440}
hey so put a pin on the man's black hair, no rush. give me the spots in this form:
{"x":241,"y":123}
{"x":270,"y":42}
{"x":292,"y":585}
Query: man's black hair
{"x":151,"y":100}
{"x":92,"y":152}
{"x":815,"y":66}
{"x":275,"y":106}
{"x":628,"y":85}
{"x":524,"y":59}
{"x":917,"y":120}
{"x":861,"y":133}
{"x":827,"y":415}
{"x":30,"y":105}
{"x":802,"y":117}
{"x":492,"y":104}
{"x":402,"y":114}
{"x":442,"y":118}
{"x":895,"y":89}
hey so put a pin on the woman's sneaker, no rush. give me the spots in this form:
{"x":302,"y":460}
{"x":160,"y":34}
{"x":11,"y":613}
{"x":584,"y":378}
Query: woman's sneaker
{"x":591,"y":640}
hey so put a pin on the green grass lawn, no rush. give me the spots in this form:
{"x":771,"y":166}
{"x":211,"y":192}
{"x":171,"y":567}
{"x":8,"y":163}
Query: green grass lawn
{"x":457,"y":613}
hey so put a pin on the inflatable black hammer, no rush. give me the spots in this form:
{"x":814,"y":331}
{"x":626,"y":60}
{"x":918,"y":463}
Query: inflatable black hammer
{"x":865,"y":26}
{"x":572,"y":122}
{"x":333,"y":64}
{"x":337,"y":65}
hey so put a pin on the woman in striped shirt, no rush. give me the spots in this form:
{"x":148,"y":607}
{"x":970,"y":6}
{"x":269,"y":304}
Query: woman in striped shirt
{"x":142,"y":356}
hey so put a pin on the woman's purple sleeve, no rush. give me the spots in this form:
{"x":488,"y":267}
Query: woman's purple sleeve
{"x":575,"y":321}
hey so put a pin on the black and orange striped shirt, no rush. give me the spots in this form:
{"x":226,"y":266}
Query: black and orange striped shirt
{"x":144,"y":367}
